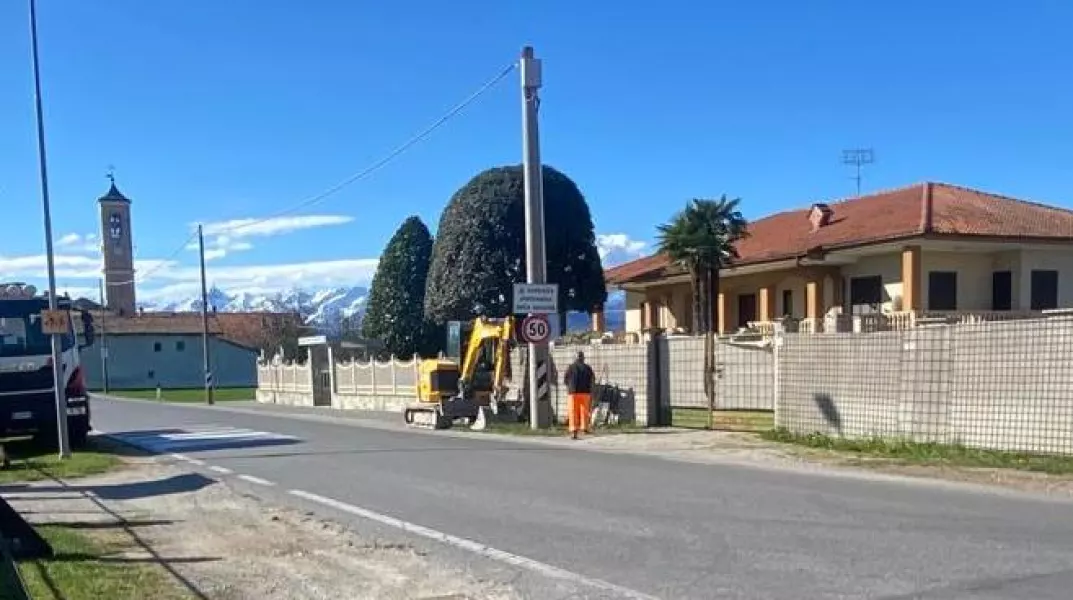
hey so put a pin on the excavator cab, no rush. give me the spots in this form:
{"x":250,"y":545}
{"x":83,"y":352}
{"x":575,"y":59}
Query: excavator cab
{"x":469,"y":377}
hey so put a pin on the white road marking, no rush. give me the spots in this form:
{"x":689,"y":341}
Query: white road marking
{"x":476,"y":547}
{"x":257,"y":480}
{"x":201,"y":437}
{"x":191,"y":460}
{"x":223,"y":470}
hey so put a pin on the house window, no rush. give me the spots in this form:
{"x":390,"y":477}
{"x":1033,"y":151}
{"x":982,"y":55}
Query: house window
{"x":942,"y":290}
{"x":180,"y":346}
{"x":746,"y":309}
{"x":865,"y":294}
{"x":157,"y":347}
{"x":1044,"y":290}
{"x":1001,"y":290}
{"x":788,"y":303}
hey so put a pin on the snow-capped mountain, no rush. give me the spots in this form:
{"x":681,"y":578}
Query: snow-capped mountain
{"x":322,"y":308}
{"x":326,"y":308}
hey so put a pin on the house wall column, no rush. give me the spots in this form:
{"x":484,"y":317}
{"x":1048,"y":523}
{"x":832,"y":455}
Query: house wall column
{"x":651,"y":314}
{"x":766,"y":300}
{"x":724,"y":318}
{"x":814,"y":308}
{"x":912,"y":290}
{"x":599,"y":321}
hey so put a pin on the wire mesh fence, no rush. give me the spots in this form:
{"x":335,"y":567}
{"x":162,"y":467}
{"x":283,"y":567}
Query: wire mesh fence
{"x":1004,"y":386}
{"x":622,"y":378}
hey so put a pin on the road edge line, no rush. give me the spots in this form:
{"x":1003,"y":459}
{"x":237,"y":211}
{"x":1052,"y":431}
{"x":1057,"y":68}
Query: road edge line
{"x":475,"y":547}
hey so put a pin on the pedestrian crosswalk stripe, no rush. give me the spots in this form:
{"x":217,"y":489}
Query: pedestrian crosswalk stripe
{"x":201,"y":437}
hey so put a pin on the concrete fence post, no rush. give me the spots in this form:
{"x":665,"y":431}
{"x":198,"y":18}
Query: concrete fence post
{"x":394,"y":376}
{"x":331,"y":379}
{"x":372,"y":375}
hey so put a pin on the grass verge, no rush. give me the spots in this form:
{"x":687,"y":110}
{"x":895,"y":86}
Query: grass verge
{"x":190,"y":395}
{"x":90,"y":566}
{"x":925,"y":454}
{"x":33,"y":462}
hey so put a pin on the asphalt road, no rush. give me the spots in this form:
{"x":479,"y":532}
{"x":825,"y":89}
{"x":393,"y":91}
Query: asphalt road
{"x":663,"y":528}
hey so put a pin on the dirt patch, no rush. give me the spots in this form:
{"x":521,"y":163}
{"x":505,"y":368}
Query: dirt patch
{"x":220,"y":544}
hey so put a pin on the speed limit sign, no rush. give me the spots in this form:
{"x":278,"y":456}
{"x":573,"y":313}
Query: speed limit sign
{"x":535,"y":329}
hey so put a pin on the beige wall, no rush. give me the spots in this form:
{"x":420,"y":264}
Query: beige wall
{"x":973,"y":277}
{"x":1060,"y":260}
{"x":887,"y":266}
{"x":634,"y":317}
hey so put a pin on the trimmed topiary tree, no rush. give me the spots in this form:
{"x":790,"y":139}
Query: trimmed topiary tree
{"x":479,"y":251}
{"x":395,"y":315}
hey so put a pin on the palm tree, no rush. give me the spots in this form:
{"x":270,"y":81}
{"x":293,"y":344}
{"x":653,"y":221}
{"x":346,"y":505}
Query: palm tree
{"x":701,"y":239}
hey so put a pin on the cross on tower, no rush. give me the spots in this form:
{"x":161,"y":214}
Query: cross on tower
{"x":111,"y":173}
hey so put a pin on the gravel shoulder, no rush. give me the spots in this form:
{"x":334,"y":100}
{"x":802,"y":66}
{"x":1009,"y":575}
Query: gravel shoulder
{"x":750,"y":450}
{"x":216,"y":542}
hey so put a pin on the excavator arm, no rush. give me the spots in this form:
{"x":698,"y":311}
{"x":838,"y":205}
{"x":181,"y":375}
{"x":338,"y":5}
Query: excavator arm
{"x":499,"y":333}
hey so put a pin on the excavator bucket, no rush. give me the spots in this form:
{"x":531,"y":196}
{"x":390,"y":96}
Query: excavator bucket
{"x":481,"y":421}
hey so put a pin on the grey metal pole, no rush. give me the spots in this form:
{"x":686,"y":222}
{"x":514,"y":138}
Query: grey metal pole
{"x":204,"y":318}
{"x":535,"y":260}
{"x":104,"y":338}
{"x":57,"y":355}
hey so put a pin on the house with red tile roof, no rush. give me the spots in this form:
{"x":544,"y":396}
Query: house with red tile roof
{"x":926,"y":249}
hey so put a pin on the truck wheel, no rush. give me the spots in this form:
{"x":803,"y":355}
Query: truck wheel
{"x":78,"y":433}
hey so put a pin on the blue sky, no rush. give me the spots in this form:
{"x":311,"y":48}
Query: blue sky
{"x":219,"y":111}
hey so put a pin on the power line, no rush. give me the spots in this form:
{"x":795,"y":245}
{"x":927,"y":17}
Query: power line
{"x":376,"y":166}
{"x":362,"y":174}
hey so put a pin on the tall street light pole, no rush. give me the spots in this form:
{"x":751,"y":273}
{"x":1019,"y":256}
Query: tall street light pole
{"x":57,"y":358}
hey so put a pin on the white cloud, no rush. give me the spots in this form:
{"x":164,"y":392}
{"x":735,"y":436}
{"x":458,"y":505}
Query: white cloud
{"x":618,"y":248}
{"x":182,"y":282}
{"x":168,"y":279}
{"x":228,"y":237}
{"x":68,"y":267}
{"x":78,"y":242}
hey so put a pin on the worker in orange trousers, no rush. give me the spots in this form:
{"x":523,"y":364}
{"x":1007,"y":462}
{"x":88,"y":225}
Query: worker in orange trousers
{"x":579,"y":380}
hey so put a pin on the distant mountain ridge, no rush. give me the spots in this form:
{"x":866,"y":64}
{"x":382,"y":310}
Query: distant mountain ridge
{"x":327,"y":307}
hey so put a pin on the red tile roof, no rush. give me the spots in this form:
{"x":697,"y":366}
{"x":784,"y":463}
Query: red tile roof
{"x":937,"y":209}
{"x":245,"y":329}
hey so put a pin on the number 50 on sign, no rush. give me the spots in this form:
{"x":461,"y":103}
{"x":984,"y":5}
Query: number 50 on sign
{"x":535,"y":329}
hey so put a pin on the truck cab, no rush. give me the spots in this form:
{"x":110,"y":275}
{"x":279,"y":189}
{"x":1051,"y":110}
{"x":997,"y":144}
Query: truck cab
{"x":27,"y":372}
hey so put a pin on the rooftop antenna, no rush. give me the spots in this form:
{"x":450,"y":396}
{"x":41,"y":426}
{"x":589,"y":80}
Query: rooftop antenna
{"x":858,"y":157}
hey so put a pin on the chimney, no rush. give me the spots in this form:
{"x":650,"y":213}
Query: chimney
{"x":820,"y":215}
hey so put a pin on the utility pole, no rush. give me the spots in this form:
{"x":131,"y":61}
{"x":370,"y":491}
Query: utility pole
{"x":535,"y":264}
{"x":104,"y":337}
{"x":58,"y":380}
{"x":204,"y":318}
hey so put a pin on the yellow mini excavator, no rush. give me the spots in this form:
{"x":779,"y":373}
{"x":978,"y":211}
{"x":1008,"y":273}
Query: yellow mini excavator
{"x":469,"y":380}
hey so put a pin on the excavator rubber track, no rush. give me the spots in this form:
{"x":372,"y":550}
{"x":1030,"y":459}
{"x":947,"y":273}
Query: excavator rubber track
{"x":425,"y":417}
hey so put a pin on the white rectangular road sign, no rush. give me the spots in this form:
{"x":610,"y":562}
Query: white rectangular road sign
{"x":313,"y":340}
{"x":536,"y":298}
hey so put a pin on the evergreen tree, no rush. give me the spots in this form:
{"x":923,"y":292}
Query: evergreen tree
{"x":396,"y":301}
{"x":480,"y":247}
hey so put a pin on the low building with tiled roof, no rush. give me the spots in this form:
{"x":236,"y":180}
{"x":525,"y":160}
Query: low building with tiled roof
{"x":926,"y":248}
{"x":145,"y":349}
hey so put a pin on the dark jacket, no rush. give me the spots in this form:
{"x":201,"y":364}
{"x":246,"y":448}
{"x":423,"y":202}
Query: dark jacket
{"x":579,"y":378}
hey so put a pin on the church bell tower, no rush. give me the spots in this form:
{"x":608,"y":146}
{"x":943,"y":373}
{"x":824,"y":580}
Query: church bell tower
{"x":117,"y":249}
